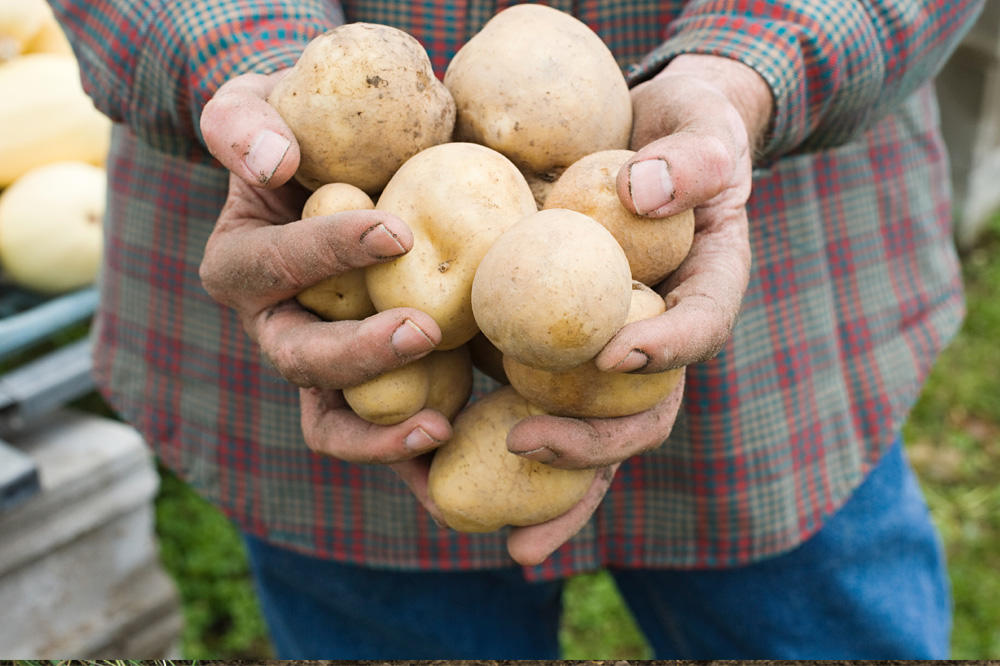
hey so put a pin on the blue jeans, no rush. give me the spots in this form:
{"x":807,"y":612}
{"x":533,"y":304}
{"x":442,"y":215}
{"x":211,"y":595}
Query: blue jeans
{"x":871,"y":584}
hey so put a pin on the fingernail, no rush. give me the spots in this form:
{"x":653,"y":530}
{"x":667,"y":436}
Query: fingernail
{"x":381,"y":243}
{"x":635,"y":360}
{"x":265,"y":154}
{"x":409,"y":339}
{"x":542,"y":454}
{"x":650,"y":185}
{"x":418,"y":440}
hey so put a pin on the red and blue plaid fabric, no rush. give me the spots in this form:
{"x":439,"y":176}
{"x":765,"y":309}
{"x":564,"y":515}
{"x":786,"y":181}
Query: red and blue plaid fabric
{"x":855,"y":286}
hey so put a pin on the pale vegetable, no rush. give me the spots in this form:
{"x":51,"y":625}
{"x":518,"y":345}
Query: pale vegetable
{"x":480,"y":486}
{"x":654,"y":247}
{"x":457,"y":198}
{"x":552,"y":290}
{"x":344,"y":296}
{"x":541,"y":87}
{"x":361,"y":100}
{"x":20,"y":22}
{"x":442,"y":380}
{"x":46,"y":117}
{"x":585,"y":391}
{"x":50,"y":226}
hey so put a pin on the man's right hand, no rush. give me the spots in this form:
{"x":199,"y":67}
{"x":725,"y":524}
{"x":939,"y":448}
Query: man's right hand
{"x":259,"y":256}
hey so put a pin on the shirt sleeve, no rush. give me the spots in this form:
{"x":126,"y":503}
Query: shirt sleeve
{"x":834,"y":66}
{"x":154,"y":64}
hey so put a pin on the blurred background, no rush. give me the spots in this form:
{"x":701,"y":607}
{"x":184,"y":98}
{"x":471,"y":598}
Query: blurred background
{"x":105,"y":554}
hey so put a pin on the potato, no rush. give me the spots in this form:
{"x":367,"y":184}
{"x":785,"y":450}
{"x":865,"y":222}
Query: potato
{"x":361,"y":100}
{"x":51,"y":226}
{"x":480,"y":486}
{"x":457,"y":199}
{"x":654,"y":247}
{"x":344,"y":296}
{"x":585,"y":391}
{"x":541,"y":87}
{"x":442,"y":380}
{"x":552,"y":290}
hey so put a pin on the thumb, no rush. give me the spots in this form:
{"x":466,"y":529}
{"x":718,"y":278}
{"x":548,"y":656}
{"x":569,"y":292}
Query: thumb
{"x":675,"y":173}
{"x":247,"y":135}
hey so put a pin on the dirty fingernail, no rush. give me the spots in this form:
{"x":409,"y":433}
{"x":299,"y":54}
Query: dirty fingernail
{"x":650,"y":185}
{"x":418,"y":440}
{"x":542,"y":454}
{"x":265,"y":154}
{"x":381,"y":243}
{"x":410,"y":339}
{"x":635,"y":360}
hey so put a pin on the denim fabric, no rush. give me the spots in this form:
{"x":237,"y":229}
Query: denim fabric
{"x":871,"y":584}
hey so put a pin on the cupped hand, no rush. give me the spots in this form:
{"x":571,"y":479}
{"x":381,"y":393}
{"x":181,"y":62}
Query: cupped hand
{"x":260,"y":255}
{"x":695,"y":125}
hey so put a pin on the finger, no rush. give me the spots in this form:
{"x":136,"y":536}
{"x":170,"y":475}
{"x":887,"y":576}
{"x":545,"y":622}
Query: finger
{"x":331,"y":428}
{"x":703,"y":299}
{"x":685,"y":153}
{"x":532,"y":545}
{"x":586,"y":443}
{"x":247,"y":134}
{"x":248,"y":260}
{"x":675,"y":173}
{"x":312,"y":353}
{"x":414,"y":473}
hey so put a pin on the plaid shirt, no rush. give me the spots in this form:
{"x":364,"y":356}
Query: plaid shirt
{"x":854,"y":290}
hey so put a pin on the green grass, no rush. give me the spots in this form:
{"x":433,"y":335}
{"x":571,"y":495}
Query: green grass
{"x":954,"y":442}
{"x":953,"y":439}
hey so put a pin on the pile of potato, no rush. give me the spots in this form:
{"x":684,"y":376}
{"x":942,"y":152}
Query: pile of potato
{"x":53,"y":146}
{"x":522,"y":252}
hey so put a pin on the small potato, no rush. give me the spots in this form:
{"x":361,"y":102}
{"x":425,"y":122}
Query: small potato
{"x":585,"y":391}
{"x":457,"y":198}
{"x":480,"y":486}
{"x":442,"y":380}
{"x":654,"y":247}
{"x":361,"y":100}
{"x":345,"y":296}
{"x":552,"y":290}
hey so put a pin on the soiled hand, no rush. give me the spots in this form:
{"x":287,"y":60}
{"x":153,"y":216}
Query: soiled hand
{"x":694,"y":127}
{"x":258,"y":258}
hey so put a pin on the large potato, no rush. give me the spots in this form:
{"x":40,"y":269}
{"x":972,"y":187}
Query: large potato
{"x":361,"y":100}
{"x":654,"y":247}
{"x":585,"y":391}
{"x":480,"y":486}
{"x":552,"y":290}
{"x":457,"y":199}
{"x":442,"y":380}
{"x":541,"y":87}
{"x":344,"y":296}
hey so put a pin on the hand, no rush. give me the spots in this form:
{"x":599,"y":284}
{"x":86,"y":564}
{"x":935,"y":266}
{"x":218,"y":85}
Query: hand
{"x":694,"y":127}
{"x":260,"y":255}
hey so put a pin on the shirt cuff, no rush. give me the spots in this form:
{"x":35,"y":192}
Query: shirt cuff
{"x":189,"y":52}
{"x":762,"y":45}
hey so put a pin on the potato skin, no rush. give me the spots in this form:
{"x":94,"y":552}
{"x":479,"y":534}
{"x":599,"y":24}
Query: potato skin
{"x":457,"y":198}
{"x":585,"y":391}
{"x":442,"y":380}
{"x":480,"y":486}
{"x":552,"y":290}
{"x":345,"y":296}
{"x":541,"y":87}
{"x":654,"y":247}
{"x":361,"y":100}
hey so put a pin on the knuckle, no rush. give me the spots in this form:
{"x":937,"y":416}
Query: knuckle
{"x":287,"y":358}
{"x":279,"y":271}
